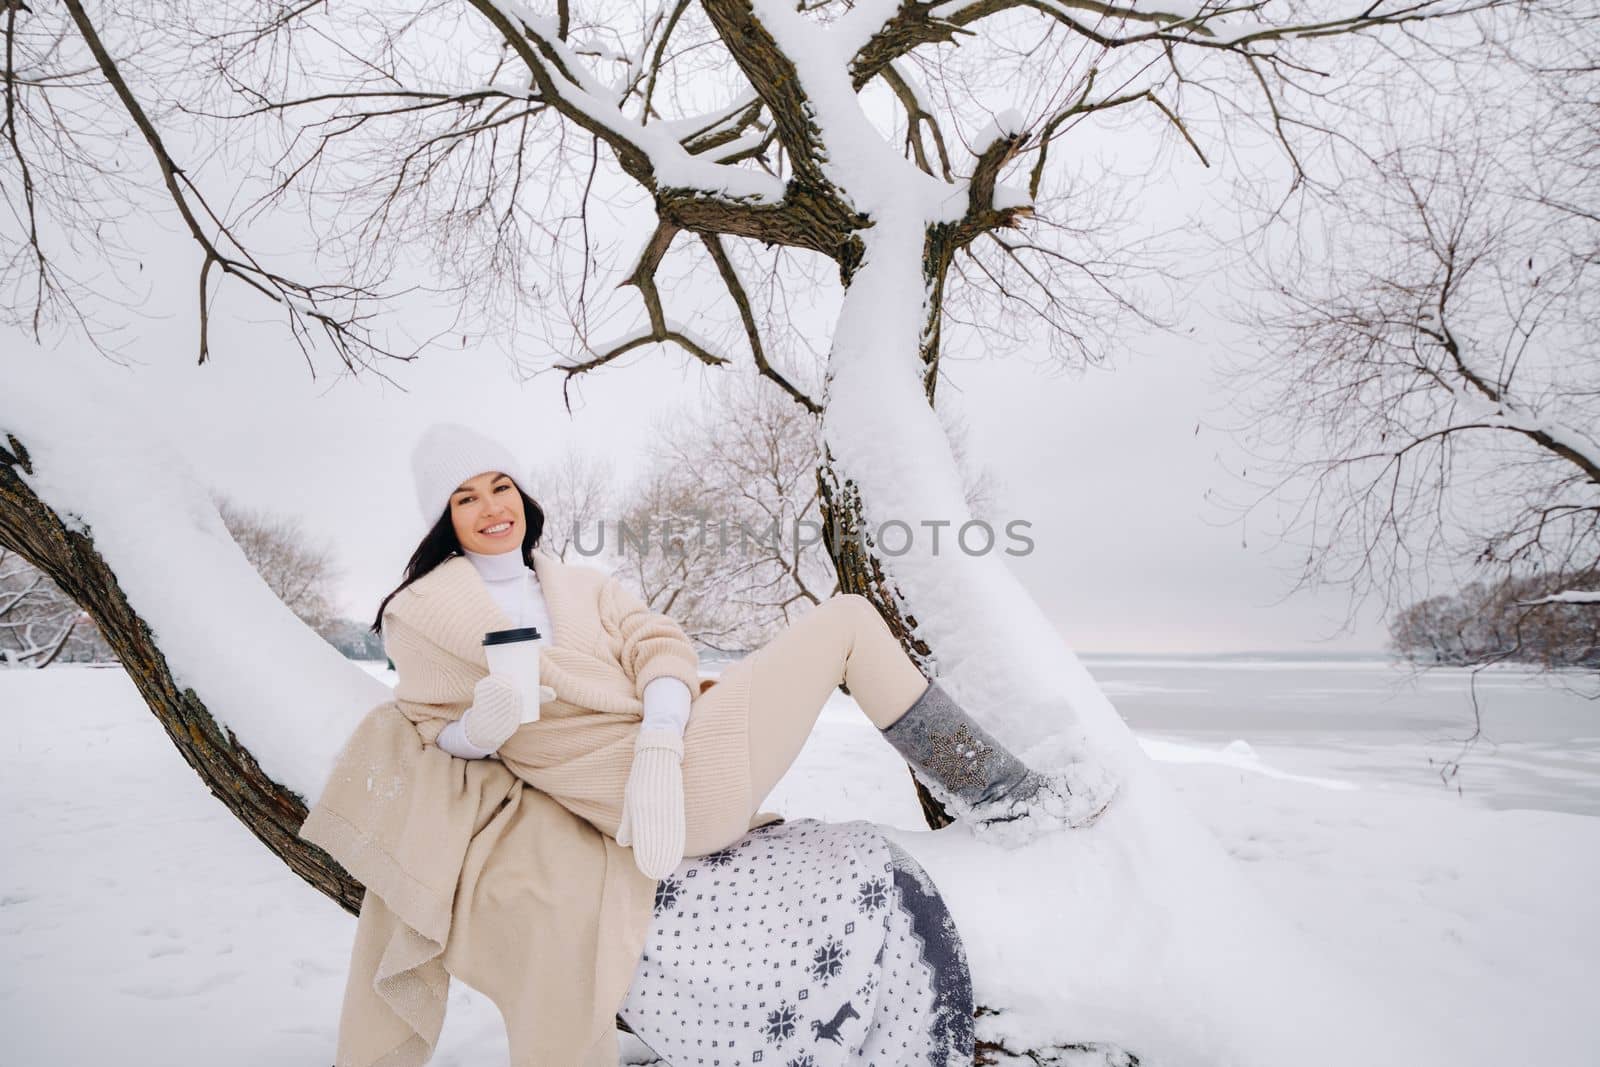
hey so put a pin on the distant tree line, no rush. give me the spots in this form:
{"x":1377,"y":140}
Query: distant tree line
{"x":1524,"y":619}
{"x":41,"y":625}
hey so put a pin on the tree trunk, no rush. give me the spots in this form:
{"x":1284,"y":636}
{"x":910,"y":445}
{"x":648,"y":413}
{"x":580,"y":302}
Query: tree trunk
{"x":860,"y":572}
{"x":886,"y":459}
{"x":273,"y":813}
{"x":845,"y":535}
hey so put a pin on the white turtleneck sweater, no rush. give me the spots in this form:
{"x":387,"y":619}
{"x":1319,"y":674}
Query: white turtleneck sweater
{"x":515,"y":587}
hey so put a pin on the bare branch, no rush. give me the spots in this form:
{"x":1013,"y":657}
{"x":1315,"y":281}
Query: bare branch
{"x":730,"y":278}
{"x":332,"y":308}
{"x":660,"y":328}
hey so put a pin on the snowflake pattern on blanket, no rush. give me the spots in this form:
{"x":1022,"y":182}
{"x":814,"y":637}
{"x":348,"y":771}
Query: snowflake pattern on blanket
{"x":803,"y":944}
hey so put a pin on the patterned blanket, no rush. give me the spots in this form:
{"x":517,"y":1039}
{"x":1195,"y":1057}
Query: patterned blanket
{"x":803,"y":944}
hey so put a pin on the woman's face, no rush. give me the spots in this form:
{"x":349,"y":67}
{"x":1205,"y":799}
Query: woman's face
{"x":487,"y":514}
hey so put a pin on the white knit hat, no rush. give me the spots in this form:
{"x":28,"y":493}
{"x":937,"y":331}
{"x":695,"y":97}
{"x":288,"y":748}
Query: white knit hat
{"x":447,"y":455}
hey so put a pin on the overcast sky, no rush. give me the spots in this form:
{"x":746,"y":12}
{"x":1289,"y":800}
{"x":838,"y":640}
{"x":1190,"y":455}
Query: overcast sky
{"x":1106,"y":466}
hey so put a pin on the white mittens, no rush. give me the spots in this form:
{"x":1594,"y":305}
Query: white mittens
{"x":652,"y":803}
{"x":496,"y":711}
{"x":494,"y":716}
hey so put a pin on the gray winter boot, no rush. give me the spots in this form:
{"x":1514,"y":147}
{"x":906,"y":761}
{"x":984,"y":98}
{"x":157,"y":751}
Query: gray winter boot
{"x":945,"y":745}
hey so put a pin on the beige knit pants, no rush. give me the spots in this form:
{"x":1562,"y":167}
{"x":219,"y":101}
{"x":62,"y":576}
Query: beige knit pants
{"x":791,"y":677}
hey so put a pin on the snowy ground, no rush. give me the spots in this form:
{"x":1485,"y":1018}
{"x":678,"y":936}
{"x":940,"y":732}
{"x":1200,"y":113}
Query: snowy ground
{"x":140,"y":925}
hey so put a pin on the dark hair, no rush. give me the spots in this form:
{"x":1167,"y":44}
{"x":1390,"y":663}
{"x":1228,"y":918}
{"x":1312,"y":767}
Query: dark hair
{"x":441,"y":542}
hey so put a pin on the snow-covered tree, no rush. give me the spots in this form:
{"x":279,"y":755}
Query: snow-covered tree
{"x":919,"y":156}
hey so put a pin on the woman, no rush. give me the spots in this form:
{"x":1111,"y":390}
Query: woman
{"x":632,"y":744}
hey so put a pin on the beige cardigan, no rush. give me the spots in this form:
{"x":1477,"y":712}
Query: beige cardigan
{"x":608,"y":645}
{"x":550,"y":926}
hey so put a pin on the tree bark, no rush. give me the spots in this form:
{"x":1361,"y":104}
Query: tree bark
{"x":273,"y":813}
{"x":861,"y":572}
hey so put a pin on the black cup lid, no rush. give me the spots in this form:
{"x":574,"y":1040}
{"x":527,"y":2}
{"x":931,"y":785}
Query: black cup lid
{"x":511,"y":637}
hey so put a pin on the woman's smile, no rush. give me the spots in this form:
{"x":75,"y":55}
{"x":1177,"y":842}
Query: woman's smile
{"x":487,"y":513}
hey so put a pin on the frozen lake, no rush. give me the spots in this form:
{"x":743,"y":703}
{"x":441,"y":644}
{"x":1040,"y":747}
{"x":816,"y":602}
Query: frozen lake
{"x":1378,"y":722}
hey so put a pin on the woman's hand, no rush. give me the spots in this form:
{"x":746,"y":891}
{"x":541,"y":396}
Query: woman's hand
{"x":496,"y":711}
{"x":652,"y":803}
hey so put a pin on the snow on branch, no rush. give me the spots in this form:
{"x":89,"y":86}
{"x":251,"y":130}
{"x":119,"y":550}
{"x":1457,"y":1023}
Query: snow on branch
{"x":753,"y":32}
{"x":1489,"y":403}
{"x":1501,"y":413}
{"x":650,"y":154}
{"x":1568,"y":596}
{"x":1001,"y":139}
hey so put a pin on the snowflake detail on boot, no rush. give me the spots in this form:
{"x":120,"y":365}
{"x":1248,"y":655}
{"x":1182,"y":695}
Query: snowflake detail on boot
{"x":958,"y":757}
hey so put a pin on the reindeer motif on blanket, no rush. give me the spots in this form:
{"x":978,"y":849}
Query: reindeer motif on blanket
{"x":830,"y":1030}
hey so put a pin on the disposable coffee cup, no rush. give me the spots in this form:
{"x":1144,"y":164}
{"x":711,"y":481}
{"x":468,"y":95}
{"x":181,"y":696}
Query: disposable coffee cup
{"x":515,"y":654}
